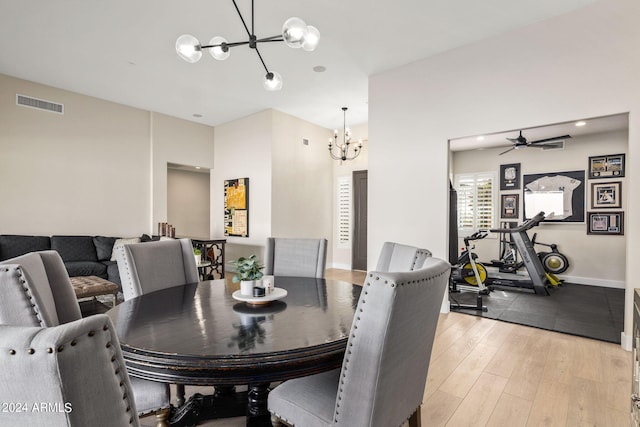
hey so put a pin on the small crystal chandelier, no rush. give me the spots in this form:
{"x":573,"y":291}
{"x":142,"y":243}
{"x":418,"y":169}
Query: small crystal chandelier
{"x":295,"y":33}
{"x":343,"y":148}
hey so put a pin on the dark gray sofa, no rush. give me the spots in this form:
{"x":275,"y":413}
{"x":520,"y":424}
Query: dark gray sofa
{"x":82,"y":255}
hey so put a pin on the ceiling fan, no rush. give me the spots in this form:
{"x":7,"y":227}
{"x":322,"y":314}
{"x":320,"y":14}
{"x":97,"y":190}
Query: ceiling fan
{"x":521,"y":142}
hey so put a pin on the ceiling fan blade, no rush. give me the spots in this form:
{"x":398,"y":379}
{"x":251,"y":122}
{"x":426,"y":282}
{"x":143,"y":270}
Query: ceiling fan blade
{"x":557,"y":138}
{"x":504,"y":152}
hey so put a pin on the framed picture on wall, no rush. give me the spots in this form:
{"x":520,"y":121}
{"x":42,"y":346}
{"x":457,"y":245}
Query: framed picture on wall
{"x":606,"y":195}
{"x":610,"y":223}
{"x":606,"y":166}
{"x":509,"y":206}
{"x":560,"y":195}
{"x":510,"y":176}
{"x":236,"y":207}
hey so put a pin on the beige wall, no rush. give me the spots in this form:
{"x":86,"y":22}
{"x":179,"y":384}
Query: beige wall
{"x":579,"y":65}
{"x":100,"y":168}
{"x":188,"y":202}
{"x":301,"y":202}
{"x":243,"y":149}
{"x":594,"y":260}
{"x":176,"y":141}
{"x":83,"y":172}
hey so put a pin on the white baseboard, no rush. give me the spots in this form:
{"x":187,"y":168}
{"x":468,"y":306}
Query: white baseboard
{"x":341,"y":266}
{"x":626,"y":341}
{"x":617,"y":284}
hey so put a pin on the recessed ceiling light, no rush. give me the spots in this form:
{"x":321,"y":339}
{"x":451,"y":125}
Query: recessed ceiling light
{"x":480,"y":138}
{"x":196,"y":115}
{"x":197,"y":167}
{"x":319,"y":68}
{"x":580,"y":123}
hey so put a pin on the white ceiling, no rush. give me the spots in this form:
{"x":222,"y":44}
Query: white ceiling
{"x":123,"y":50}
{"x":594,"y":125}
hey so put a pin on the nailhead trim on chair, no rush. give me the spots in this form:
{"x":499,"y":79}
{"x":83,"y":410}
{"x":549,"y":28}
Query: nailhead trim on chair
{"x":27,"y":292}
{"x":127,"y":269}
{"x":73,"y":343}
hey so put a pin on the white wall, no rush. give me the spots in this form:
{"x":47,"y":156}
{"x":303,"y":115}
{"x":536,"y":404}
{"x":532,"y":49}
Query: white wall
{"x":188,"y":202}
{"x":594,"y":260}
{"x":84,"y":172}
{"x":579,"y":65}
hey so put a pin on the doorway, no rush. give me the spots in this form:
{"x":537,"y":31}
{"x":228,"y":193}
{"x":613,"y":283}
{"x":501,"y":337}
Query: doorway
{"x":359,"y":246}
{"x":188,"y":200}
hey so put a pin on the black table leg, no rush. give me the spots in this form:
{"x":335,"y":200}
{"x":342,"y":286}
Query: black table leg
{"x":257,"y":412}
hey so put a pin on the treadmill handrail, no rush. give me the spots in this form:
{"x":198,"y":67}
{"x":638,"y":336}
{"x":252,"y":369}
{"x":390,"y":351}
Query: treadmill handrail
{"x":524,"y":227}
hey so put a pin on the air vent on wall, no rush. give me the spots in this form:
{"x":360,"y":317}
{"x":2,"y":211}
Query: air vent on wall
{"x":556,"y":145}
{"x":41,"y":104}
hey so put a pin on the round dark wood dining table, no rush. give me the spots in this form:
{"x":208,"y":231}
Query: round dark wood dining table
{"x":198,"y":334}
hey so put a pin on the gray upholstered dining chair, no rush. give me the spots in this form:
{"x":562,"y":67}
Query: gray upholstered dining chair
{"x":35,"y":290}
{"x":399,"y":257}
{"x":295,"y":257}
{"x":69,"y":375}
{"x":151,"y":266}
{"x":385,"y":367}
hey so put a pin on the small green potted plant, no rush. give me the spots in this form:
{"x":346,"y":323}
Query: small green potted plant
{"x":248,"y":270}
{"x":197,"y":254}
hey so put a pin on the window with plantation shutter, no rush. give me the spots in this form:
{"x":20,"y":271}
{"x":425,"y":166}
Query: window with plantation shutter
{"x":476,"y":201}
{"x":344,"y":211}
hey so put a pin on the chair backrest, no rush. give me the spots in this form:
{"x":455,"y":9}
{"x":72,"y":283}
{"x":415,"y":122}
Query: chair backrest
{"x":295,"y":257}
{"x":151,"y":266}
{"x":385,"y":368}
{"x":36,"y":291}
{"x":398,"y":257}
{"x":67,"y":375}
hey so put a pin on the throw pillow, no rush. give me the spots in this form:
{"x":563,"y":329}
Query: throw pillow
{"x":104,"y":247}
{"x":121,"y":242}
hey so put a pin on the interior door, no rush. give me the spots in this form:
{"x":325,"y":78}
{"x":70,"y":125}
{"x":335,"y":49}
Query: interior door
{"x":359,"y":246}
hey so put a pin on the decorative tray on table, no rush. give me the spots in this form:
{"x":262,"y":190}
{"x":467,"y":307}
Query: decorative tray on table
{"x":276,"y":294}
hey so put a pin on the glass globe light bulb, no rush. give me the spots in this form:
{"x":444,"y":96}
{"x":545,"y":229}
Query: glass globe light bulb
{"x":272,"y":81}
{"x":294,"y":31}
{"x":188,"y":48}
{"x":220,"y":53}
{"x":312,"y":39}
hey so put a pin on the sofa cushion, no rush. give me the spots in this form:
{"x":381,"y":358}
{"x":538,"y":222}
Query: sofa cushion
{"x":104,"y":247}
{"x":74,"y":248}
{"x":113,"y":273}
{"x":86,"y":268}
{"x":12,"y":245}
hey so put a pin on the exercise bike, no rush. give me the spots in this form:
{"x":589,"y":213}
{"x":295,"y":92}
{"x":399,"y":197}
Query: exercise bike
{"x":470,"y":273}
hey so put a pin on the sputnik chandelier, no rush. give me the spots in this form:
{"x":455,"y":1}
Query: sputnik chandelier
{"x":343,"y":149}
{"x":295,"y":33}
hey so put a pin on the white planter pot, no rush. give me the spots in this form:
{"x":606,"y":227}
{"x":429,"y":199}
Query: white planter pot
{"x":246,"y":287}
{"x":198,"y":258}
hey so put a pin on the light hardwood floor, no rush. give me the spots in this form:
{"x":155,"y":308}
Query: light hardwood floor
{"x":484,"y":372}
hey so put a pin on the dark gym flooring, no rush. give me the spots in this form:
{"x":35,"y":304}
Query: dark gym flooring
{"x":588,"y":311}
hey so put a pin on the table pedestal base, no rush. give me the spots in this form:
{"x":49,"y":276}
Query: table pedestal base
{"x":226,"y":402}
